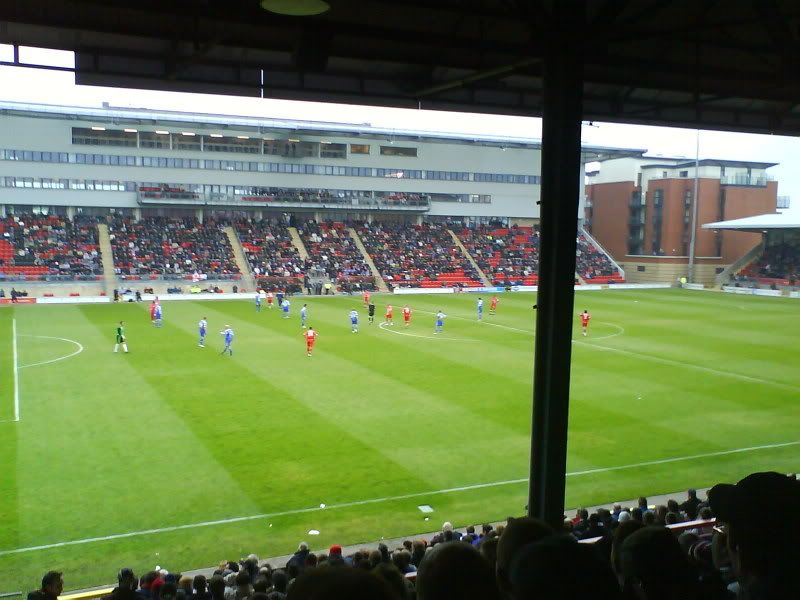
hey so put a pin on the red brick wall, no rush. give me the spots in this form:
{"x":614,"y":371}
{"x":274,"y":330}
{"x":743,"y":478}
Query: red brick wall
{"x":610,"y":210}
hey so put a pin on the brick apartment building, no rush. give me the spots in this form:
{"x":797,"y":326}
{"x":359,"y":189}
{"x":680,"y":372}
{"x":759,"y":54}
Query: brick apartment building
{"x":640,"y":210}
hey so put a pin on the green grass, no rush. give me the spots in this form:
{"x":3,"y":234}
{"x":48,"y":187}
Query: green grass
{"x":172,"y":435}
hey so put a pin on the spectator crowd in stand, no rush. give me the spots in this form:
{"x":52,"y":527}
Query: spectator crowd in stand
{"x":750,"y":553}
{"x":269,"y":249}
{"x":778,"y":261}
{"x":410,"y":255}
{"x":590,"y":261}
{"x":50,"y":246}
{"x":332,"y":250}
{"x":170,"y":246}
{"x":505,"y":254}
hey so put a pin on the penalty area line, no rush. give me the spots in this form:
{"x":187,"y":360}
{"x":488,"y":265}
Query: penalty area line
{"x":465,"y":488}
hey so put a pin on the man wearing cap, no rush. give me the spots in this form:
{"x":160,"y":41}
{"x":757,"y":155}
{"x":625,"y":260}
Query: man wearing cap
{"x":760,"y":519}
{"x":335,"y":555}
{"x":126,"y":588}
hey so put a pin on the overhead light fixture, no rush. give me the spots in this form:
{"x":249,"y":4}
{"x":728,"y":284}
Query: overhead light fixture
{"x":162,"y":132}
{"x":296,"y":8}
{"x":189,"y":133}
{"x":98,"y":128}
{"x":293,"y":140}
{"x":130,"y":130}
{"x":324,"y":142}
{"x":216,"y":135}
{"x":243,"y":137}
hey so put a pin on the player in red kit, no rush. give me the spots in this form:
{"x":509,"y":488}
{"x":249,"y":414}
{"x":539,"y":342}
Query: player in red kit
{"x":389,"y":314}
{"x":585,"y":316}
{"x":493,"y":305}
{"x":311,"y":337}
{"x":366,"y":298}
{"x":270,"y":297}
{"x":407,"y":315}
{"x":153,"y":312}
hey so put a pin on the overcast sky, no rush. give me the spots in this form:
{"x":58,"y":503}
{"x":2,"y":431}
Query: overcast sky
{"x":37,"y":85}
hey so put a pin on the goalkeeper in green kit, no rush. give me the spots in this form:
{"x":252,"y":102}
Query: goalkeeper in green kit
{"x":121,"y":337}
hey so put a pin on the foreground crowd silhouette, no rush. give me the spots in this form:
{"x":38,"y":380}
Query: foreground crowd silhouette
{"x":750,"y":553}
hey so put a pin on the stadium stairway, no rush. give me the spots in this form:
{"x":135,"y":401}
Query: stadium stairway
{"x":484,"y":280}
{"x":731,"y":270}
{"x":247,"y":281}
{"x":298,"y":242}
{"x":107,"y":257}
{"x":382,"y":287}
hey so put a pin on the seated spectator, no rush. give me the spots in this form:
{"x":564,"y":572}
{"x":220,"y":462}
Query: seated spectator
{"x":126,"y":587}
{"x":200,"y":588}
{"x":52,"y":586}
{"x":454,"y":571}
{"x":654,"y":567}
{"x":338,"y":584}
{"x":691,"y":505}
{"x":558,"y":567}
{"x":518,"y":533}
{"x":761,"y":522}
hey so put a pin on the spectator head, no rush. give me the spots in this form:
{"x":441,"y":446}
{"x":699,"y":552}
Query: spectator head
{"x":488,"y":550}
{"x":762,"y":518}
{"x":311,"y":560}
{"x":392,"y":576}
{"x":53,"y":583}
{"x":654,"y":567}
{"x":441,"y":574}
{"x":519,"y":533}
{"x":624,"y":516}
{"x":447,"y":526}
{"x":261,"y":586}
{"x":185,"y":584}
{"x":583,"y":514}
{"x":280,"y":580}
{"x":335,"y":550}
{"x":649,"y":518}
{"x":334,"y":584}
{"x":216,"y":585}
{"x":199,"y":584}
{"x":547,"y":570}
{"x":623,"y":530}
{"x":673,"y":506}
{"x":691,"y":494}
{"x":169,"y":591}
{"x":642,"y":503}
{"x":302,"y":547}
{"x":672,"y":518}
{"x":127,"y":579}
{"x":636,"y":514}
{"x":705,"y":513}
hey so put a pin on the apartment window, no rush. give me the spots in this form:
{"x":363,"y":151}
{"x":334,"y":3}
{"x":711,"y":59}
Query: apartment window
{"x":684,"y":173}
{"x":398,"y":151}
{"x":359,"y":148}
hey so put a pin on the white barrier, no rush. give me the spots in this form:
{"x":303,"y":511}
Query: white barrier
{"x":693,"y":286}
{"x":74,"y":300}
{"x":794,"y":294}
{"x":200,"y":296}
{"x":639,"y":286}
{"x":752,"y":291}
{"x":424,"y":290}
{"x":589,"y":287}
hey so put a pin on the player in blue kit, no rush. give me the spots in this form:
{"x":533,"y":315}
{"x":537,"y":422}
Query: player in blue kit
{"x":258,"y":301}
{"x":439,"y":322}
{"x":353,"y":321}
{"x":285,"y":307}
{"x":158,"y":316}
{"x":228,"y":335}
{"x":480,"y":309}
{"x":303,"y":315}
{"x":202,"y":329}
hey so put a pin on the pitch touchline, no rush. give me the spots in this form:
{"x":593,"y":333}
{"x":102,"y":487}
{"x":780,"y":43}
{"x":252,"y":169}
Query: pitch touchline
{"x":464,"y":488}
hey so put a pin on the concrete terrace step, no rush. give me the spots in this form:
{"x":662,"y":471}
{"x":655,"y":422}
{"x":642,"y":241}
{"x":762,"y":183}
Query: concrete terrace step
{"x":247,"y":281}
{"x":481,"y":274}
{"x":107,"y":256}
{"x":298,"y":242}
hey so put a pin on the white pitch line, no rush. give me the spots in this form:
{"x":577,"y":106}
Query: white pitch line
{"x":678,"y":363}
{"x":16,"y":369}
{"x":54,"y":360}
{"x":464,"y":488}
{"x":427,"y":337}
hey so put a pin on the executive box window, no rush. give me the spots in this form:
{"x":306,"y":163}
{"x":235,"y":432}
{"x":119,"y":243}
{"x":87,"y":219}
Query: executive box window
{"x":398,"y":151}
{"x":359,"y":148}
{"x":102,"y":137}
{"x":329,"y":150}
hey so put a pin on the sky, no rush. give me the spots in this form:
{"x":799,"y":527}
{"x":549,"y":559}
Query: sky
{"x":51,"y":87}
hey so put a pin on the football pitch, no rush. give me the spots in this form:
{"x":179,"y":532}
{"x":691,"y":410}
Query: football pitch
{"x":178,"y":456}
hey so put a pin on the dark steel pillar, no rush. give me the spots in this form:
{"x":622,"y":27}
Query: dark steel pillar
{"x":561,"y":185}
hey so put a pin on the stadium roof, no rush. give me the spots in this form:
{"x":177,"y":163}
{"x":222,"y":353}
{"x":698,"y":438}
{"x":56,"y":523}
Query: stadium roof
{"x":712,"y":162}
{"x":758,"y":223}
{"x":216,"y":122}
{"x":727,"y":65}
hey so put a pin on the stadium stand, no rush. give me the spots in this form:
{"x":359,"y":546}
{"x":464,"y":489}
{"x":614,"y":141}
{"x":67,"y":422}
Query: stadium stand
{"x":51,"y":248}
{"x":778,"y":265}
{"x":417,"y":256}
{"x":269,"y":249}
{"x":331,"y":249}
{"x":171,"y":248}
{"x":669,"y":551}
{"x":594,"y":265}
{"x":506,"y":255}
